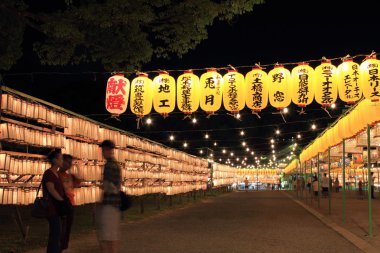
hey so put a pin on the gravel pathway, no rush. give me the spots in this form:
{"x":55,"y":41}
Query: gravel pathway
{"x":235,"y":223}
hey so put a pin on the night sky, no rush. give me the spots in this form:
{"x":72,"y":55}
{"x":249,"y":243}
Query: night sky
{"x":277,"y":31}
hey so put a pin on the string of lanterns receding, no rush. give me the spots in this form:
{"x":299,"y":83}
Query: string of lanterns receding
{"x":279,"y":87}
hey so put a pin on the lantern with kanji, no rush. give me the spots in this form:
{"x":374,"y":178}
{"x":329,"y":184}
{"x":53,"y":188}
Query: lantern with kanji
{"x":348,"y":74}
{"x":256,"y":86}
{"x":233,"y":91}
{"x":188,"y":92}
{"x":141,"y":95}
{"x":370,"y":79}
{"x":279,"y":83}
{"x":117,"y":94}
{"x":302,"y":88}
{"x":325,"y":84}
{"x":164,"y":93}
{"x":211,"y":91}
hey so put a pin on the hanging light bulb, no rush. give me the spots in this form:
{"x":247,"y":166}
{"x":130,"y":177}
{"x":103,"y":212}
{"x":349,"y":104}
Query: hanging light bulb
{"x":333,"y":106}
{"x":148,"y":121}
{"x":237,"y":159}
{"x":201,"y":151}
{"x":206,"y":136}
{"x":185,"y":144}
{"x":243,"y":143}
{"x":194,"y":120}
{"x":252,"y":153}
{"x":272,"y":146}
{"x":273,"y":151}
{"x":220,"y":159}
{"x":271,"y":141}
{"x":211,"y":155}
{"x":313,"y":126}
{"x":286,"y":110}
{"x":238,"y":116}
{"x":247,"y":149}
{"x":215,"y":144}
{"x":232,"y":154}
{"x":171,"y":138}
{"x":298,"y":136}
{"x":277,"y":131}
{"x":242,"y":133}
{"x":224,"y":151}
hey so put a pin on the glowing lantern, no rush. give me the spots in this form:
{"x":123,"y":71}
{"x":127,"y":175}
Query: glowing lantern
{"x":325,"y":85}
{"x":188,"y":92}
{"x":211,"y":91}
{"x":256,"y":85}
{"x":348,"y":81}
{"x":302,"y":87}
{"x":369,"y":78}
{"x":117,"y":94}
{"x":279,"y":83}
{"x":233,"y":91}
{"x":164,"y":93}
{"x":370,"y":113}
{"x":141,"y":95}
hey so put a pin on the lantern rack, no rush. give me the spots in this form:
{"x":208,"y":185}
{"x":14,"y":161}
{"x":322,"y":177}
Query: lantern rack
{"x":164,"y":170}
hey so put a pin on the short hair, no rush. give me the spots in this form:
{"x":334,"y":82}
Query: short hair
{"x":107,"y":144}
{"x":53,"y":154}
{"x":67,"y":157}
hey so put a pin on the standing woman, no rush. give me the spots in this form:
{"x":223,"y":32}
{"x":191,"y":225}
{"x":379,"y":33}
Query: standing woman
{"x":54,"y":192}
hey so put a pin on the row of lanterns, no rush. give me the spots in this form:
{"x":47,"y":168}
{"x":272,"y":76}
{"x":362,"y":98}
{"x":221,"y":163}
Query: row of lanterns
{"x":365,"y":113}
{"x":255,"y":90}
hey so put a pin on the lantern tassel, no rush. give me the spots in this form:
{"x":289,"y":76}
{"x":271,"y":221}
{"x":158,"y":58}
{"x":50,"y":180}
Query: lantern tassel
{"x":256,"y":113}
{"x":116,"y":117}
{"x":209,"y":114}
{"x":302,"y":111}
{"x":328,"y":113}
{"x":138,"y":121}
{"x":187,"y":116}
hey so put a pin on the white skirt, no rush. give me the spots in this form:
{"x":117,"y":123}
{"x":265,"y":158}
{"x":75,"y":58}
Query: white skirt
{"x":107,"y":223}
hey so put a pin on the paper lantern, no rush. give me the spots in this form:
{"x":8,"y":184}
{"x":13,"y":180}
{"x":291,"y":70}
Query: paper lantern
{"x":369,"y":78}
{"x":141,"y":95}
{"x":325,"y":84}
{"x":164,"y":93}
{"x":348,"y":74}
{"x":211,"y":91}
{"x":279,"y":87}
{"x":370,"y":112}
{"x":302,"y":88}
{"x":117,"y":94}
{"x":188,"y":92}
{"x":233,"y":91}
{"x":256,"y":86}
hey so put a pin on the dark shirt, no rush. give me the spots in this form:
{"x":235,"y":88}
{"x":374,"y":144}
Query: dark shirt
{"x":49,"y":176}
{"x":111,"y":183}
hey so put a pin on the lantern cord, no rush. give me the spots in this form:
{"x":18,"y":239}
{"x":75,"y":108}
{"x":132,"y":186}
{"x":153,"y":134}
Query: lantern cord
{"x":211,"y":114}
{"x":282,"y":115}
{"x":188,"y":116}
{"x":373,"y":53}
{"x":328,"y":113}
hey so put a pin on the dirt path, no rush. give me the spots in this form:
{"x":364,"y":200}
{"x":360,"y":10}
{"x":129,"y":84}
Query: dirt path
{"x":237,"y":222}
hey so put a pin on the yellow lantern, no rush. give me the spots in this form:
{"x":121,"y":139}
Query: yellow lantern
{"x":211,"y":91}
{"x":188,"y":92}
{"x":233,"y":91}
{"x":332,"y":138}
{"x":256,"y":85}
{"x":164,"y":93}
{"x":117,"y":94}
{"x":302,"y":85}
{"x":371,"y":112}
{"x":141,"y":95}
{"x":279,"y":83}
{"x":369,"y":78}
{"x":325,"y":84}
{"x":354,"y":122}
{"x":348,"y":81}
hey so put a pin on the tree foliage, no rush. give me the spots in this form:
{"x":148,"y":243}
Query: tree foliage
{"x":120,"y":34}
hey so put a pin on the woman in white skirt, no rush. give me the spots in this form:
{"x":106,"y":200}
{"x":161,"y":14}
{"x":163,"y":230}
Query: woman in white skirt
{"x":108,"y":212}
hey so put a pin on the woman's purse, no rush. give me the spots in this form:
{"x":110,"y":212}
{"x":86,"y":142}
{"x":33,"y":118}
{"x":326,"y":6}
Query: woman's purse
{"x":125,"y":201}
{"x":40,"y":206}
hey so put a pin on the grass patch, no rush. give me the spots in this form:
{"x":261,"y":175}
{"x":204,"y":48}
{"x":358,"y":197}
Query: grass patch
{"x":11,"y":239}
